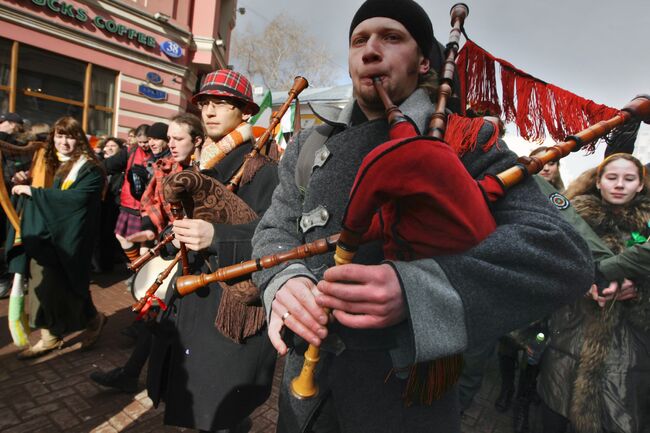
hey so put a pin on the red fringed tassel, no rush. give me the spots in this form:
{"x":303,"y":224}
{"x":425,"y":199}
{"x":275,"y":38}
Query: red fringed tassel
{"x":508,"y":88}
{"x":478,"y":80}
{"x":429,"y":381}
{"x":534,"y":105}
{"x":462,"y":134}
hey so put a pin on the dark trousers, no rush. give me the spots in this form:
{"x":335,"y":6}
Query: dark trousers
{"x":141,"y":351}
{"x":553,"y":422}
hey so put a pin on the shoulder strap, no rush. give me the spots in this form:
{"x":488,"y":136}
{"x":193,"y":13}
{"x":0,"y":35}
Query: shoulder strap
{"x":314,"y":141}
{"x":131,"y":156}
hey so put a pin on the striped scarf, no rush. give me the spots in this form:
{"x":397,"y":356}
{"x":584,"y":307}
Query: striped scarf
{"x":74,"y":171}
{"x":212,"y":152}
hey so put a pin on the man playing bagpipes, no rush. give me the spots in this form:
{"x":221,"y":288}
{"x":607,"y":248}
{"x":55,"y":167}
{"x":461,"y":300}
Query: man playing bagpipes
{"x":388,"y":316}
{"x":212,"y":362}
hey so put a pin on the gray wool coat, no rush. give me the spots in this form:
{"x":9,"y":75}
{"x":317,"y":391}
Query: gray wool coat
{"x":533,"y":263}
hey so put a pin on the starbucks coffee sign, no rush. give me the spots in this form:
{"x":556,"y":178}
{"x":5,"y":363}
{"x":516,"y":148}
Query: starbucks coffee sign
{"x":107,"y":25}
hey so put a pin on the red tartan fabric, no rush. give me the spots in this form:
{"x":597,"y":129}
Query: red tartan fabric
{"x":429,"y":203}
{"x":152,"y":203}
{"x":228,"y":84}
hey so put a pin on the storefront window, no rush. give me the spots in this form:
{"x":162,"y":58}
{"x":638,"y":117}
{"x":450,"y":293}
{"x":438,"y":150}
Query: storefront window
{"x":51,"y":74}
{"x":50,"y":86}
{"x":102,"y":87}
{"x":4,"y":101}
{"x":5,"y":61}
{"x":5,"y":73}
{"x":43,"y":110}
{"x":100,"y":122}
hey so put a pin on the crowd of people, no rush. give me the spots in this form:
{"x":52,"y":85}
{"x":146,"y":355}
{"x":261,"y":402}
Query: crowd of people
{"x":559,"y":284}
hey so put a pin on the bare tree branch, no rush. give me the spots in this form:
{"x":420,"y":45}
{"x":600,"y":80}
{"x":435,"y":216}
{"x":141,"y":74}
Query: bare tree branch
{"x":281,"y":51}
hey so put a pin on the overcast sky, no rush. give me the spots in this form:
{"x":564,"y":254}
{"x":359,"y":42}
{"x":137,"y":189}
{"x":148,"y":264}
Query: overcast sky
{"x":597,"y":49}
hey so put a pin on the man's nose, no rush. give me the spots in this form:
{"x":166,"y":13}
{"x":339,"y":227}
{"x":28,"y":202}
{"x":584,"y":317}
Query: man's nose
{"x":371,"y":51}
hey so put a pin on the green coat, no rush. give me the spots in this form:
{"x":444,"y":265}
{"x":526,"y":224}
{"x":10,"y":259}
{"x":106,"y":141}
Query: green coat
{"x":58,"y":232}
{"x":633,"y":262}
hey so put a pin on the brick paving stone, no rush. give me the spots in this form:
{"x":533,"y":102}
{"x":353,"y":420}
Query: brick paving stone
{"x":55,"y":395}
{"x":8,"y":418}
{"x":104,"y":428}
{"x":64,"y":419}
{"x":76,"y":404}
{"x":41,"y":409}
{"x":36,"y":388}
{"x":29,"y":426}
{"x":120,"y":421}
{"x":136,"y":409}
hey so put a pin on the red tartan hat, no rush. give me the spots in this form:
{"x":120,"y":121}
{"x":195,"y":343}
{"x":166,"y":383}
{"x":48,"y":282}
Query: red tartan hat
{"x":228,"y":84}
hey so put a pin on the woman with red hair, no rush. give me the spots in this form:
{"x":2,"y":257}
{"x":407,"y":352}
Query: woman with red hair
{"x":58,"y":228}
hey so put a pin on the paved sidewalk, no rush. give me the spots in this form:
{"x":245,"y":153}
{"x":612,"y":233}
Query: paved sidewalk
{"x":54,"y":393}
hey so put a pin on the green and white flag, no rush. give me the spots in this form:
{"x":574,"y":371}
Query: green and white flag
{"x":286,"y":125}
{"x":263,"y":116}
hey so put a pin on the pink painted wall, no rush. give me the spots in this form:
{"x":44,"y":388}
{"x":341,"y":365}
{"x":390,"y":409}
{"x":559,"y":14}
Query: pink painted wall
{"x":88,"y":27}
{"x":201,"y":17}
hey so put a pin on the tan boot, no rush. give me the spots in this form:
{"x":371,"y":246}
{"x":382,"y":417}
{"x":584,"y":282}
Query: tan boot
{"x":46,"y":344}
{"x":94,"y":329}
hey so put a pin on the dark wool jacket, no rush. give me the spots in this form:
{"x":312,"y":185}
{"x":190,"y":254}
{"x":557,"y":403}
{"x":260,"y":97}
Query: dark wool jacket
{"x":533,"y":263}
{"x":207,"y":381}
{"x":596,"y":369}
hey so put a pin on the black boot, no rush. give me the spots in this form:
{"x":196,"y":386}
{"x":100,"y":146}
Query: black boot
{"x":525,"y":391}
{"x":116,"y":379}
{"x":507,"y":367}
{"x":520,"y":412}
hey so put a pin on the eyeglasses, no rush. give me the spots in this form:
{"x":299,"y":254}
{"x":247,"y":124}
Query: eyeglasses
{"x":214,"y":103}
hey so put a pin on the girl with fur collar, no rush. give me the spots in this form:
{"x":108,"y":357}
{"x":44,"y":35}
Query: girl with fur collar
{"x":595,"y":373}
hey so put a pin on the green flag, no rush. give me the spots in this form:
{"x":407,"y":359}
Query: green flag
{"x":262,"y":117}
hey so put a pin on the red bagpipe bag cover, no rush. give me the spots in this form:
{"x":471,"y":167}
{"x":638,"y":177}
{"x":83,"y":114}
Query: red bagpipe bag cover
{"x":416,"y":195}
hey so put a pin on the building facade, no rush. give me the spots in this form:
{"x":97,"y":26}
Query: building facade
{"x":112,"y":64}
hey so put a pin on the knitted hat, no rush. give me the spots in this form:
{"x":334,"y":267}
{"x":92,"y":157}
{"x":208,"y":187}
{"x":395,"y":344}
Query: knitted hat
{"x":158,"y":130}
{"x":407,"y":12}
{"x":228,"y":84}
{"x":11,"y":117}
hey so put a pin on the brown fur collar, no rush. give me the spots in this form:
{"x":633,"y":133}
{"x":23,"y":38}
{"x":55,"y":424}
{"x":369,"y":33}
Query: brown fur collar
{"x":614,"y":226}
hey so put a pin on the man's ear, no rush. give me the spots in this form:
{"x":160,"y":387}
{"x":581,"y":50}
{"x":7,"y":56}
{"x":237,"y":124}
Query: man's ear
{"x":245,"y":117}
{"x":425,"y":65}
{"x":198,"y":141}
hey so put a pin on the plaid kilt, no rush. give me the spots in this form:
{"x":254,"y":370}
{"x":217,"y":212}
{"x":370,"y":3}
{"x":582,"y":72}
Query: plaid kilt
{"x":127,"y":224}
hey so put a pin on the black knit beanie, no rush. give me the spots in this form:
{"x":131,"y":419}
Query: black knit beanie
{"x":158,"y":130}
{"x":407,"y":12}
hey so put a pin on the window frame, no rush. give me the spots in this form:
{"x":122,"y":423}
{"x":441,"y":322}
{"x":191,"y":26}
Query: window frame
{"x":86,"y":106}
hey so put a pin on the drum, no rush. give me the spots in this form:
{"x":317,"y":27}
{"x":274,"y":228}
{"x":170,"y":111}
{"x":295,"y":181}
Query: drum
{"x":146,"y":276}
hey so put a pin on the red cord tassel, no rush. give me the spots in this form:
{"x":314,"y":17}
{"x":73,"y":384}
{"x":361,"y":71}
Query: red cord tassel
{"x":532,"y":104}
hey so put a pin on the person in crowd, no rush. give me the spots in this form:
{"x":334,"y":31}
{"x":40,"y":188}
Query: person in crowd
{"x":131,"y":139}
{"x":594,"y":373}
{"x":551,"y":170}
{"x":186,"y":134}
{"x":154,"y":211}
{"x":107,"y":249}
{"x":11,"y":127}
{"x":111,"y":146}
{"x":211,"y":362}
{"x":390,"y":315}
{"x":513,"y":348}
{"x":58,"y":228}
{"x":133,"y":164}
{"x":158,"y":142}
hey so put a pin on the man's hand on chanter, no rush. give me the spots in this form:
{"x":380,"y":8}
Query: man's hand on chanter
{"x":295,"y":307}
{"x":196,"y":234}
{"x":363,"y":296}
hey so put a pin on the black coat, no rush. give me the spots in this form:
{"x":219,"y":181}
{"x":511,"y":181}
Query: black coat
{"x":207,"y":381}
